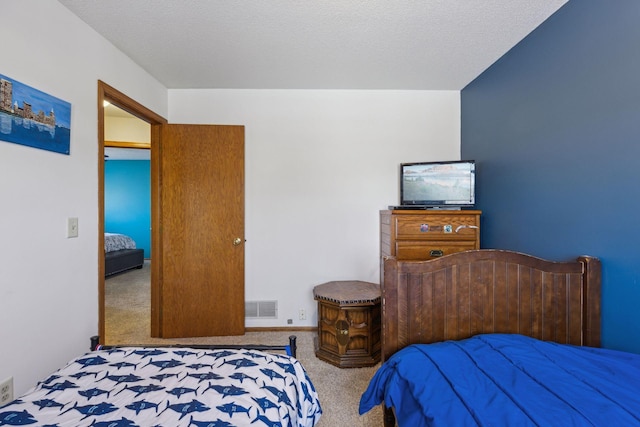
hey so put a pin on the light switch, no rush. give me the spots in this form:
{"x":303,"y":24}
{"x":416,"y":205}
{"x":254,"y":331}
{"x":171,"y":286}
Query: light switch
{"x":72,"y":227}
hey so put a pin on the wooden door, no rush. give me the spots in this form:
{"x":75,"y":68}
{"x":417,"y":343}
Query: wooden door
{"x":199,"y":283}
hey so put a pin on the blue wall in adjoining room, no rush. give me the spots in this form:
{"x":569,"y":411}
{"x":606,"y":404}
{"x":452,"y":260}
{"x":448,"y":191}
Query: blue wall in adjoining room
{"x":127,"y":200}
{"x":555,"y":128}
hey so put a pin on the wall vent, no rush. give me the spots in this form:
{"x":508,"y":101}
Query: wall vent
{"x":261,"y":309}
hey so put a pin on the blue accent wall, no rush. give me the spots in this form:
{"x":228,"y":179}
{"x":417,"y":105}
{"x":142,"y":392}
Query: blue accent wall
{"x":127,"y":200}
{"x":555,"y":128}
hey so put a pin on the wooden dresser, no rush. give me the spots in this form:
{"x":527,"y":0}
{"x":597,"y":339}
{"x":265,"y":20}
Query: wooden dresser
{"x":427,"y":234}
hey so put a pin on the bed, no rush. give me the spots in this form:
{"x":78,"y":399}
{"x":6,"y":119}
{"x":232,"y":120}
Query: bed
{"x":529,"y":326}
{"x":121,"y":254}
{"x":173,"y":386}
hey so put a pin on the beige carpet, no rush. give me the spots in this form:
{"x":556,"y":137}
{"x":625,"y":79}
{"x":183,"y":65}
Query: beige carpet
{"x":127,"y":316}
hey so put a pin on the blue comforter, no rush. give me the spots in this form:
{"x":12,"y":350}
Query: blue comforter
{"x":508,"y":380}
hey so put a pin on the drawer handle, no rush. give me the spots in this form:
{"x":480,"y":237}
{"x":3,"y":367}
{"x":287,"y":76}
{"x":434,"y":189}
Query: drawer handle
{"x":458,"y":228}
{"x":342,"y":332}
{"x":436,"y":252}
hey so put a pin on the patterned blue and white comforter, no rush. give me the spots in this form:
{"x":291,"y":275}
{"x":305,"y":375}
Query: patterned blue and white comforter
{"x":115,"y":242}
{"x":171,"y":388}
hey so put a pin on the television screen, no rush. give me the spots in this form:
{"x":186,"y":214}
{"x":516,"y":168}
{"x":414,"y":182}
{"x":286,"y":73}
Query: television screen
{"x":435,"y":184}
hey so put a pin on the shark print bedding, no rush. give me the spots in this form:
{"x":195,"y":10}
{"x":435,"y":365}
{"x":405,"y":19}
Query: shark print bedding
{"x":128,"y":386}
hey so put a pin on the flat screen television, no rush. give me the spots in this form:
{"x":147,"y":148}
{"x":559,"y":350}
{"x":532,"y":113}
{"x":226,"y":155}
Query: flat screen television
{"x":438,"y":184}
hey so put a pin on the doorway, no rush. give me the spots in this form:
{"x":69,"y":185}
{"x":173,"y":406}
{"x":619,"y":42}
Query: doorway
{"x":123,"y":102}
{"x":197,"y":221}
{"x":127,"y":226}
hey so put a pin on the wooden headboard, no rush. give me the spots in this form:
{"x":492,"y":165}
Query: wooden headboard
{"x":489,"y":291}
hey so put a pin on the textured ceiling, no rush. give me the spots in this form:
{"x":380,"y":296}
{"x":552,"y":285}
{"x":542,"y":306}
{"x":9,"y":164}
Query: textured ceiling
{"x":305,"y":44}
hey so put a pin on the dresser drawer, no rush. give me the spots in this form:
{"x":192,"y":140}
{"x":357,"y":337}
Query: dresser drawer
{"x":426,"y":234}
{"x":420,"y":250}
{"x":441,"y":227}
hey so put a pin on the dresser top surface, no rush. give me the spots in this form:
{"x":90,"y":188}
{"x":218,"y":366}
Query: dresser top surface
{"x":431,"y":212}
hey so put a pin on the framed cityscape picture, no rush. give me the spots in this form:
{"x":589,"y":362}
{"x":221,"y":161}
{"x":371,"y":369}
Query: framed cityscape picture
{"x":33,"y":118}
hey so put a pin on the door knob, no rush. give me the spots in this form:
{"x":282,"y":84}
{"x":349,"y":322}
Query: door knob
{"x":237,"y":241}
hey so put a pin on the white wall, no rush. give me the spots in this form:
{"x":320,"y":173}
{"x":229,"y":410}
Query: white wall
{"x":319,"y":167}
{"x":48,"y":283}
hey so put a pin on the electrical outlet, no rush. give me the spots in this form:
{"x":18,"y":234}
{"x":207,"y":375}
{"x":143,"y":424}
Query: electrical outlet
{"x":302,"y":315}
{"x":6,"y":391}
